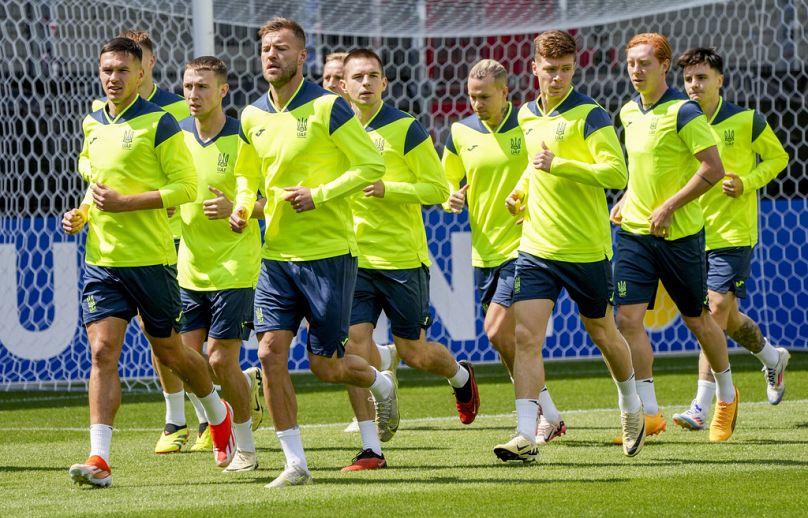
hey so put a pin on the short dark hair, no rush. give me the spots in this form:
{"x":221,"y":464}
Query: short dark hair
{"x":554,"y":44}
{"x":363,"y":53}
{"x":279,"y":23}
{"x":123,"y":45}
{"x":701,"y":55}
{"x":212,"y":63}
{"x":140,"y":37}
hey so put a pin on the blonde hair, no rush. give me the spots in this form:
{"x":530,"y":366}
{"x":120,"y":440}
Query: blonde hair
{"x":336,"y":56}
{"x":489,"y":68}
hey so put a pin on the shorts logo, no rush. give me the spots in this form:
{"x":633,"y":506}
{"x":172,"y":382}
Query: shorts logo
{"x":653,"y":126}
{"x":302,"y":127}
{"x":516,"y":146}
{"x":344,"y":342}
{"x":739,"y":284}
{"x":560,"y":130}
{"x":259,"y":315}
{"x":621,"y":288}
{"x":224,"y":158}
{"x":90,"y":303}
{"x":179,"y":317}
{"x":379,"y":144}
{"x":517,"y":284}
{"x":128,"y":137}
{"x":729,"y":137}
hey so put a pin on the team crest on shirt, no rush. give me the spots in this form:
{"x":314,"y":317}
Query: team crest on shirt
{"x":128,"y":137}
{"x":729,"y":137}
{"x":302,"y":127}
{"x":221,"y":167}
{"x":653,"y":125}
{"x":560,"y":130}
{"x":379,"y":144}
{"x":516,"y":145}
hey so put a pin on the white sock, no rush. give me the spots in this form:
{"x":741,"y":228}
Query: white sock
{"x":200,"y":410}
{"x":704,"y":395}
{"x":386,"y":357}
{"x":628,"y":400}
{"x":725,"y":390}
{"x":100,"y":440}
{"x":214,"y":408}
{"x":645,"y":389}
{"x":175,"y":408}
{"x":460,"y":378}
{"x":292,"y":446}
{"x":244,"y":436}
{"x":548,"y":408}
{"x":382,"y":387}
{"x":768,"y":355}
{"x":527,"y":412}
{"x":370,"y":437}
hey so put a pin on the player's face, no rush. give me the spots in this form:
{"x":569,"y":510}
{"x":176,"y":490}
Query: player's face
{"x":554,"y":75}
{"x":203,"y":92}
{"x":282,"y":56}
{"x":332,"y":75}
{"x":647,"y":73}
{"x":702,"y":83}
{"x":364,"y":81}
{"x":488,"y":99}
{"x":121,"y":75}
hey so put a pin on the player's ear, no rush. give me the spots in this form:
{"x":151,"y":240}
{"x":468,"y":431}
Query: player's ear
{"x":720,"y":80}
{"x":384,"y":83}
{"x":534,"y":66}
{"x":301,"y":58}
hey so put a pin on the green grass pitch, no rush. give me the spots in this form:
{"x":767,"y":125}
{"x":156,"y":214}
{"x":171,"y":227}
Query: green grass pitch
{"x":438,"y":467}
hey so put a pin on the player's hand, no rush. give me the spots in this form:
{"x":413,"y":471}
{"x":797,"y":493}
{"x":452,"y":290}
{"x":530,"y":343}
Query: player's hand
{"x":108,"y":199}
{"x":457,"y":201}
{"x":238,"y":220}
{"x":616,"y":214}
{"x":170,"y":211}
{"x":375,"y":189}
{"x":514,"y":205}
{"x":300,"y":198}
{"x":733,"y":185}
{"x":543,"y":159}
{"x":219,"y":207}
{"x":661,"y":220}
{"x":73,"y":221}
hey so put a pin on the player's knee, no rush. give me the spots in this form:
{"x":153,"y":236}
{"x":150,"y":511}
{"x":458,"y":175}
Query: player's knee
{"x":524,"y":337}
{"x":325,"y":371}
{"x":104,"y":354}
{"x":412,"y":356}
{"x":628,"y":323}
{"x":499,"y":336}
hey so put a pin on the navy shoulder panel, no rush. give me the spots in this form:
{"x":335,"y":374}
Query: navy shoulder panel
{"x":340,"y":114}
{"x":573,"y":100}
{"x":187,"y":124}
{"x":263,"y":103}
{"x":450,"y":145}
{"x":687,"y":112}
{"x":307,"y":93}
{"x":415,"y":135}
{"x":231,"y":127}
{"x":595,"y":120}
{"x":387,"y":115}
{"x":167,"y":127}
{"x":99,"y":115}
{"x":474,"y":122}
{"x":533,"y":106}
{"x":511,"y":122}
{"x":758,"y":125}
{"x":164,"y":97}
{"x":726,"y":111}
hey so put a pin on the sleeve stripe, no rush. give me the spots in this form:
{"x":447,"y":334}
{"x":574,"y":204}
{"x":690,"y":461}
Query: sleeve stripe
{"x":689,"y":111}
{"x":340,"y":114}
{"x":167,"y":127}
{"x":595,"y":120}
{"x":758,"y":125}
{"x":415,"y":135}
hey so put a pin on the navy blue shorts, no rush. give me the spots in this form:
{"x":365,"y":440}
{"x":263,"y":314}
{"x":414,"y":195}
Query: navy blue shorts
{"x":225,"y":314}
{"x":728,"y":269}
{"x":644,"y":260}
{"x":402,"y":294}
{"x":124,"y":292}
{"x":589,"y":285}
{"x":495,"y":284}
{"x":320,"y":291}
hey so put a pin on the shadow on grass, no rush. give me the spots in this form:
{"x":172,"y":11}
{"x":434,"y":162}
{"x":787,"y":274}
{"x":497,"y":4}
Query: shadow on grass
{"x":23,"y":469}
{"x":346,"y":481}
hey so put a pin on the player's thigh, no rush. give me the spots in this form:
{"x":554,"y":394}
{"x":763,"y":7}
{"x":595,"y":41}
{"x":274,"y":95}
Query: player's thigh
{"x":534,"y":279}
{"x":683,"y":272}
{"x":636,"y":275}
{"x":589,"y":285}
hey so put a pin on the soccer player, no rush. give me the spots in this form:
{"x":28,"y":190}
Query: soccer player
{"x":487,"y":150}
{"x":305,"y":149}
{"x":566,"y":241}
{"x":730,"y":223}
{"x":393,"y":253}
{"x":673,"y":160}
{"x":217,"y":268}
{"x":332,"y":73}
{"x":175,"y":432}
{"x":138,"y":164}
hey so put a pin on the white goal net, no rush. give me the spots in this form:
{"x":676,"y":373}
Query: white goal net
{"x":49,"y":50}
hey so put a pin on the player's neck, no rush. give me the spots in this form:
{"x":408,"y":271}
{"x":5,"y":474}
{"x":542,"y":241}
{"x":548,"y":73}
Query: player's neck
{"x":366,"y":112}
{"x":709,"y":106}
{"x":210,"y":125}
{"x":496,"y":120}
{"x":146,"y":88}
{"x":115,"y":109}
{"x":281,"y":95}
{"x":548,"y":104}
{"x":651,"y":98}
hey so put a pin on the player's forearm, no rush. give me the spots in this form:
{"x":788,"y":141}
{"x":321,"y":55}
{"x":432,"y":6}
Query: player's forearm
{"x":423,"y":193}
{"x":349,"y":182}
{"x":258,"y":209}
{"x":609,"y":174}
{"x":246,"y":189}
{"x":144,"y":201}
{"x":774,"y":160}
{"x":181,"y":190}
